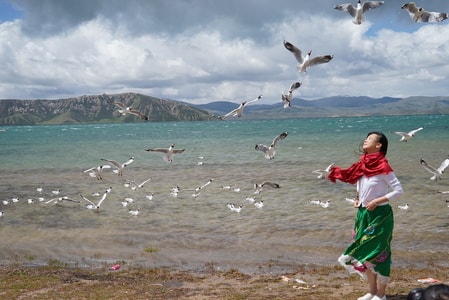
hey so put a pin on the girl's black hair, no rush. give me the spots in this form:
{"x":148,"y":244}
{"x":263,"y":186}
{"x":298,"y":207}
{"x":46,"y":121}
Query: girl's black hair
{"x":381,"y":139}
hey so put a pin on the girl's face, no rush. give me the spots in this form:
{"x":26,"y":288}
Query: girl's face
{"x":371,"y":144}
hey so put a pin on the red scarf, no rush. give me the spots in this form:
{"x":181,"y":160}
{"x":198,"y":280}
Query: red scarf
{"x":370,"y":164}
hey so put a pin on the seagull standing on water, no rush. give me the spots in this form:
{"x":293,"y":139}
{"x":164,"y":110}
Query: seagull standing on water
{"x":357,"y":12}
{"x":306,"y":61}
{"x":287,"y":98}
{"x":239,"y":110}
{"x":435,"y":171}
{"x":270,"y":151}
{"x":168,"y":152}
{"x":119,"y":167}
{"x":405,"y":136}
{"x":418,"y":14}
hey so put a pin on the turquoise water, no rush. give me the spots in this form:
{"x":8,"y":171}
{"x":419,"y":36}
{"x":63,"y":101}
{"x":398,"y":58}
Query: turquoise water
{"x":189,"y":232}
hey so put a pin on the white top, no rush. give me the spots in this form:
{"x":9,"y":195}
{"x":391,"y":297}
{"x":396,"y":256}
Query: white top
{"x":370,"y":188}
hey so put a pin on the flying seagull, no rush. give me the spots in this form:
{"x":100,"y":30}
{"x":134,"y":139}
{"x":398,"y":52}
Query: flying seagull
{"x":95,"y":172}
{"x":321,"y":173}
{"x":405,"y":136}
{"x":92,"y":205}
{"x":259,"y":186}
{"x":270,"y":151}
{"x":239,"y":110}
{"x":435,"y":171}
{"x":306,"y":61}
{"x":418,"y":14}
{"x":126,"y":109}
{"x":287,"y":98}
{"x":168,"y":157}
{"x":119,"y":167}
{"x":357,"y":12}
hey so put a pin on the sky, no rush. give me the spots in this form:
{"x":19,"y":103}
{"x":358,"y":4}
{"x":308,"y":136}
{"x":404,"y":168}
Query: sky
{"x":201,"y":51}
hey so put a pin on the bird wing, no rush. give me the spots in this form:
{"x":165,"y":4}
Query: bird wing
{"x":319,"y":60}
{"x":116,"y":164}
{"x":261,"y":147}
{"x":130,"y":161}
{"x":121,"y":105}
{"x":411,"y":8}
{"x":103,"y":197}
{"x":88,"y":170}
{"x":294,"y":86}
{"x":415,"y":131}
{"x":145,"y":181}
{"x":234,"y":112}
{"x":279,"y":137}
{"x":347,"y":7}
{"x":428,"y":167}
{"x":403,"y":134}
{"x":295,"y":50}
{"x":271,"y":184}
{"x":430,"y":16}
{"x":367,"y":5}
{"x":176,"y":151}
{"x":444,"y":164}
{"x":138,"y":113}
{"x":163,"y":150}
{"x":328,"y":169}
{"x":84,"y":198}
{"x":254,"y":100}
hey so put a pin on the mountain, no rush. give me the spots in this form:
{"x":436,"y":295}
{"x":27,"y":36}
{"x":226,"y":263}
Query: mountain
{"x":96,"y":109}
{"x":101,"y":109}
{"x":337,"y":106}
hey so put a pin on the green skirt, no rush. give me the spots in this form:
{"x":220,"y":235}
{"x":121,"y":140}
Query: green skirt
{"x":371,"y":248}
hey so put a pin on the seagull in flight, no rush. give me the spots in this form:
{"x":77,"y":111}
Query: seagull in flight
{"x":405,"y":136}
{"x":306,"y":61}
{"x":321,"y":173}
{"x":270,"y":151}
{"x":92,"y":205}
{"x":168,"y":157}
{"x":239,"y":110}
{"x":259,"y":186}
{"x":126,"y":109}
{"x":418,"y":14}
{"x":287,"y":98}
{"x":435,"y":171}
{"x":119,"y":167}
{"x":95,"y":172}
{"x":358,"y":11}
{"x":60,"y":199}
{"x":134,"y":185}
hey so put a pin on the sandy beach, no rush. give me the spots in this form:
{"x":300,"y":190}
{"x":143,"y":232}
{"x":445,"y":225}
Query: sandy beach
{"x":57,"y":281}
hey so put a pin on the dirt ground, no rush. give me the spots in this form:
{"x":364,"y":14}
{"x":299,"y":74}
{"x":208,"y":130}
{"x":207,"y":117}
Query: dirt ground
{"x":308,"y":282}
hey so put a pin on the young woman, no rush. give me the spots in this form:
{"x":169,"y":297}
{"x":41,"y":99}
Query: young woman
{"x":369,"y":254}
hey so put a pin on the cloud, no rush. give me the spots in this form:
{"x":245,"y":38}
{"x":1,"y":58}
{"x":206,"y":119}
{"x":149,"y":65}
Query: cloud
{"x":201,"y":51}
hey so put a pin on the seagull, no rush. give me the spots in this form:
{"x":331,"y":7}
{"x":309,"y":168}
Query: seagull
{"x":95,"y":172}
{"x":405,"y":136}
{"x":201,"y":186}
{"x":321,"y":173}
{"x":234,"y":208}
{"x":39,"y":190}
{"x":250,"y":199}
{"x":119,"y":167}
{"x":60,"y":199}
{"x":350,"y":200}
{"x":306,"y":61}
{"x":168,"y":152}
{"x":418,"y":14}
{"x":30,"y":201}
{"x":2,"y":213}
{"x":315,"y":202}
{"x":135,"y":186}
{"x":403,"y":207}
{"x":56,"y":192}
{"x":259,"y":204}
{"x":92,"y":205}
{"x":126,"y":109}
{"x":15,"y":199}
{"x":287,"y":98}
{"x":5,"y":202}
{"x":134,"y":212}
{"x":259,"y":186}
{"x":325,"y":204}
{"x":239,"y":110}
{"x":435,"y":171}
{"x":150,"y":196}
{"x":357,"y":12}
{"x":270,"y":151}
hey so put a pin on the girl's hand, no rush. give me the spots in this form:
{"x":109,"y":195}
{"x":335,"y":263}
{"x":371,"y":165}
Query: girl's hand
{"x":356,"y":203}
{"x":371,"y":205}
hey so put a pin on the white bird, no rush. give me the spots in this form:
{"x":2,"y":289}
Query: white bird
{"x":2,"y":213}
{"x":325,"y":204}
{"x":435,"y":171}
{"x":323,"y":173}
{"x":226,"y":187}
{"x":315,"y":202}
{"x":306,"y":61}
{"x":287,"y":98}
{"x":239,"y":110}
{"x":126,"y":109}
{"x":259,"y":186}
{"x":39,"y":190}
{"x":269,"y":151}
{"x":150,"y":196}
{"x":418,"y":14}
{"x":15,"y":199}
{"x":403,"y":207}
{"x":5,"y":202}
{"x":197,"y":190}
{"x":119,"y":167}
{"x":30,"y":201}
{"x":95,"y":172}
{"x":60,"y":199}
{"x":350,"y":200}
{"x":134,"y":185}
{"x":56,"y":192}
{"x":134,"y":212}
{"x":235,"y":208}
{"x":405,"y":136}
{"x":250,"y":199}
{"x":259,"y":204}
{"x":168,"y":157}
{"x":92,"y":205}
{"x":41,"y":199}
{"x":358,"y":11}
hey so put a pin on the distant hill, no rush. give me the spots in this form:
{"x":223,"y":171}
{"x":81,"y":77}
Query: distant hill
{"x":101,"y":109}
{"x":96,"y":109}
{"x":338,"y":106}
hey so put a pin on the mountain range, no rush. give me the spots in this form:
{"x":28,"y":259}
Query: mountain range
{"x":101,"y":109}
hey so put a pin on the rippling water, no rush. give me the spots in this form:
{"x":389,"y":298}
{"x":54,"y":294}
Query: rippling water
{"x":195,"y":233}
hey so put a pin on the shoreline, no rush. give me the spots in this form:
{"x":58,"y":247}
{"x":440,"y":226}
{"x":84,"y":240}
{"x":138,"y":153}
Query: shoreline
{"x":58,"y":281}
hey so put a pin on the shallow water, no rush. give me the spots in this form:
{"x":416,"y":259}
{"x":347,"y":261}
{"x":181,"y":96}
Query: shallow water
{"x":193,"y":233}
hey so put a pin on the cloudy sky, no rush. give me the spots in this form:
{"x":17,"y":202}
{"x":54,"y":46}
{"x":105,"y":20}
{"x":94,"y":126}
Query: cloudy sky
{"x":201,"y":51}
